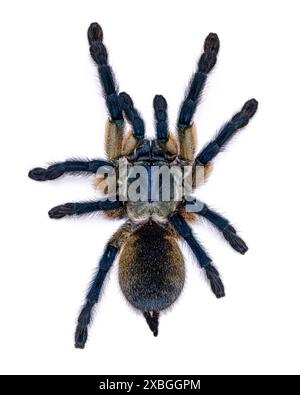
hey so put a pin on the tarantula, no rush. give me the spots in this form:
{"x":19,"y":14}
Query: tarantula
{"x":151,"y":265}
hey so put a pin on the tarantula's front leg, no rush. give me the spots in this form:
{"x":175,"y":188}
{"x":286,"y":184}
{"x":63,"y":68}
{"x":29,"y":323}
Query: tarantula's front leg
{"x":115,"y":126}
{"x":204,"y":260}
{"x":221,"y":223}
{"x":99,"y":54}
{"x":186,"y":129}
{"x":205,"y":65}
{"x":81,"y":208}
{"x":108,"y":257}
{"x":202,"y":165}
{"x":70,"y":166}
{"x":238,"y":121}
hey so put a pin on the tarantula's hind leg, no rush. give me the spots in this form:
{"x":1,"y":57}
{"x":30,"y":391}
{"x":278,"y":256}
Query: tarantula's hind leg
{"x":183,"y":229}
{"x":216,"y":284}
{"x":236,"y":242}
{"x":85,"y":316}
{"x":152,"y":318}
{"x":110,"y":253}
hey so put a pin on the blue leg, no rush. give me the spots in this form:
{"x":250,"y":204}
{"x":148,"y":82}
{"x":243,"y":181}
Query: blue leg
{"x":99,"y":54}
{"x":222,"y":224}
{"x":206,"y":63}
{"x":204,"y":260}
{"x":133,"y":116}
{"x":92,"y":296}
{"x":83,"y":208}
{"x":70,"y":166}
{"x":237,"y":122}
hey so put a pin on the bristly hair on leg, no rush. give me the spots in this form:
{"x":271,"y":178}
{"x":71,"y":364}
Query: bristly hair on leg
{"x":206,"y":63}
{"x":82,"y":208}
{"x":215,"y":281}
{"x":99,"y":55}
{"x":224,"y":226}
{"x":238,"y":121}
{"x":234,"y":240}
{"x":84,"y":319}
{"x":71,"y":166}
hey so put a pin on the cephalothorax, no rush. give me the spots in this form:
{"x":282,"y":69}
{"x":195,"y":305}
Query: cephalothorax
{"x":151,"y":265}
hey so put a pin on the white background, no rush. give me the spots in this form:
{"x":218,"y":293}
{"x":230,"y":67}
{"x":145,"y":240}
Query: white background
{"x":52,"y":108}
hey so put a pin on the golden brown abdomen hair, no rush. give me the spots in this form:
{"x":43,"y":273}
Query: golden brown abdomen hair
{"x":151,"y":268}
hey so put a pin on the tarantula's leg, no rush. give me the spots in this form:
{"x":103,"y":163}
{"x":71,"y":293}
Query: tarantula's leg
{"x":237,"y":122}
{"x":132,"y":116}
{"x":115,"y":125}
{"x":204,"y":260}
{"x":70,"y":166}
{"x":114,"y":134}
{"x":221,"y":223}
{"x":107,"y":259}
{"x":99,"y":54}
{"x":186,"y":130}
{"x":92,"y":297}
{"x":83,"y":208}
{"x":206,"y":63}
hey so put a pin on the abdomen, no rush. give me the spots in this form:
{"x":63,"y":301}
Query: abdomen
{"x":151,"y":268}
